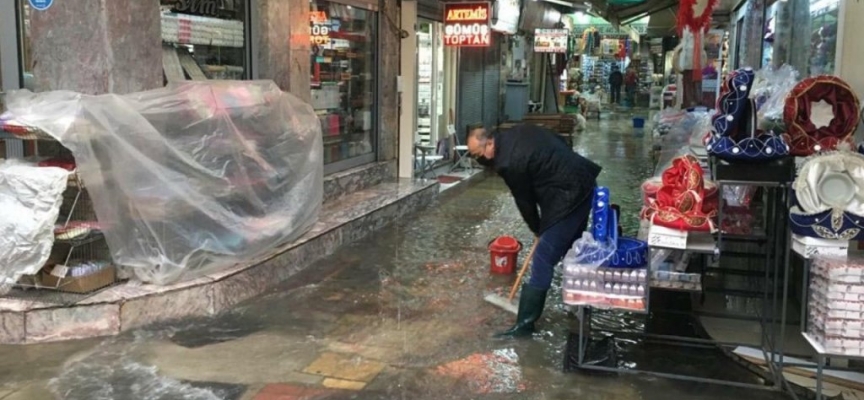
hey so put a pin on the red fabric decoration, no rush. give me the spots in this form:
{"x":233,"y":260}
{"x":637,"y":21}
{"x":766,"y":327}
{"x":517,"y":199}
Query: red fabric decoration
{"x":59,"y":162}
{"x":805,"y":137}
{"x":682,"y":201}
{"x":697,"y":23}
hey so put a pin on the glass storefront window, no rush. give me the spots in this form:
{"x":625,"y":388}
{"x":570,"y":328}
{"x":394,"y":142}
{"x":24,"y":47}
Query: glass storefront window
{"x":425,"y":50}
{"x":823,"y":36}
{"x":344,"y":43}
{"x":27,"y":61}
{"x":204,"y":40}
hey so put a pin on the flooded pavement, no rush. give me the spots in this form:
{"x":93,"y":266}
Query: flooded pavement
{"x":399,"y":315}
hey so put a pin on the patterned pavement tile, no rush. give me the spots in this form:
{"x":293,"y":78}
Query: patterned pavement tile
{"x":347,"y":367}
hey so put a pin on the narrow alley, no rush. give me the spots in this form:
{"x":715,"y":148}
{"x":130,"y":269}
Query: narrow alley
{"x":399,"y":315}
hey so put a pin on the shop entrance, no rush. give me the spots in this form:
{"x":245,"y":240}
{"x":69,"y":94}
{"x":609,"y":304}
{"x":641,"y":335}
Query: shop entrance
{"x":435,"y":84}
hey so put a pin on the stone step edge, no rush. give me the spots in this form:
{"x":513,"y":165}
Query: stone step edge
{"x":210,"y":295}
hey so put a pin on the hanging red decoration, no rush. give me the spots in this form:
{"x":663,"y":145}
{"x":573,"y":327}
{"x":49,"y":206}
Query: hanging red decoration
{"x":694,"y":19}
{"x":695,"y":14}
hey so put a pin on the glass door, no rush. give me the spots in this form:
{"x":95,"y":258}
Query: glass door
{"x":425,"y":84}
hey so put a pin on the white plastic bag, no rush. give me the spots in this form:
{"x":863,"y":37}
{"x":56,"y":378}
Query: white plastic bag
{"x":30,"y":199}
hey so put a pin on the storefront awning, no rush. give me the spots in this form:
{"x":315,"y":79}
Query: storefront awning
{"x":624,"y":12}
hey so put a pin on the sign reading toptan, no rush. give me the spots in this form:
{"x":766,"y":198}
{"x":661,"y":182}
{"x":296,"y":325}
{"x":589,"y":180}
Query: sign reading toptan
{"x":467,"y":24}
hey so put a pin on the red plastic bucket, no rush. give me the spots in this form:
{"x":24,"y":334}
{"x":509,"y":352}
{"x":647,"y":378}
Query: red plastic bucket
{"x":503,"y":253}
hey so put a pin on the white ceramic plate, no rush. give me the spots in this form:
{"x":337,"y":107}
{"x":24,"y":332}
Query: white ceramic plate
{"x":836,"y":189}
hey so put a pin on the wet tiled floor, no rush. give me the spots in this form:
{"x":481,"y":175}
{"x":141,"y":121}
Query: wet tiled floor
{"x":399,"y":315}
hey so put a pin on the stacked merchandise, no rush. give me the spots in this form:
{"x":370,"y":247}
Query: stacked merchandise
{"x":670,"y":271}
{"x":193,"y":29}
{"x":605,"y":287}
{"x":836,"y":307}
{"x":603,"y":270}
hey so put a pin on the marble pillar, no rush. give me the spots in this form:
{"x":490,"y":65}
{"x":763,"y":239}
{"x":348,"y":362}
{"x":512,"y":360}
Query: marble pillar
{"x":754,"y":32}
{"x":283,"y":45}
{"x":390,"y":39}
{"x":407,"y":111}
{"x":791,"y":42}
{"x":800,"y":37}
{"x":97,"y":46}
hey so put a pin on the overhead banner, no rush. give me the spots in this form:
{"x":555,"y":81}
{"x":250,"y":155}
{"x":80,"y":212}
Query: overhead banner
{"x":551,"y":40}
{"x":467,"y":24}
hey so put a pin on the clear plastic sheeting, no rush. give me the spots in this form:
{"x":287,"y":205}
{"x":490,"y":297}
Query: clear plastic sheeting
{"x":192,"y":178}
{"x":770,"y":90}
{"x":30,"y":199}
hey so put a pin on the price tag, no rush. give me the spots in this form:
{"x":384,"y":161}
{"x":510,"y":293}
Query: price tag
{"x":659,"y":236}
{"x":809,"y":251}
{"x":667,"y":241}
{"x":60,"y":271}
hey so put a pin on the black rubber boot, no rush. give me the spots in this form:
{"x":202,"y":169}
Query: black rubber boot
{"x":531,"y":303}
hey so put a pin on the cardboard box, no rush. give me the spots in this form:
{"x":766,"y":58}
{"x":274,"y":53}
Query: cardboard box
{"x":809,"y":247}
{"x":81,"y":284}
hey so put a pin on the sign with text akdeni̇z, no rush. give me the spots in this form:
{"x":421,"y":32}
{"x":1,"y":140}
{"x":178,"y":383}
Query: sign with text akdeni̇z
{"x":467,"y":24}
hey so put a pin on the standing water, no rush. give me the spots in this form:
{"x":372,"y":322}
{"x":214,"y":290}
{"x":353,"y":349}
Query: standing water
{"x":399,"y":315}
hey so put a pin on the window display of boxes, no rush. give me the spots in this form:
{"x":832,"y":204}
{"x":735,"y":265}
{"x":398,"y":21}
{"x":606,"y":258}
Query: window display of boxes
{"x":326,"y":98}
{"x":192,"y":29}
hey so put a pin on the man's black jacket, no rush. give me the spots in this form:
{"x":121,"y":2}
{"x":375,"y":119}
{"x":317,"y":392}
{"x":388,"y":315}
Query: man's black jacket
{"x":616,"y":78}
{"x":542,"y":171}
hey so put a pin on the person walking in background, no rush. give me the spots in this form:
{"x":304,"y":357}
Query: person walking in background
{"x":615,"y":81}
{"x":631,"y":81}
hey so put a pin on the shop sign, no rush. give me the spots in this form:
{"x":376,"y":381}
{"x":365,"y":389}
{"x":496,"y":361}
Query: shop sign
{"x":41,"y":5}
{"x":207,"y":8}
{"x":321,"y":27}
{"x":550,"y":40}
{"x":606,"y":29}
{"x":467,"y":25}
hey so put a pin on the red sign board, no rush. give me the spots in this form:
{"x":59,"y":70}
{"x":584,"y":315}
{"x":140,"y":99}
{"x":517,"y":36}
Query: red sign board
{"x":467,"y":24}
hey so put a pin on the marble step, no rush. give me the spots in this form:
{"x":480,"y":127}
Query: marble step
{"x":130,"y":306}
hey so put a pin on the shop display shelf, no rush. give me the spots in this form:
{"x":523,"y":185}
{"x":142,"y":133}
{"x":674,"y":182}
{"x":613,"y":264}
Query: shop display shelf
{"x":92,"y":237}
{"x":678,"y":281}
{"x":758,"y":236}
{"x":75,"y":211}
{"x":697,"y":242}
{"x":4,"y":135}
{"x":770,"y":174}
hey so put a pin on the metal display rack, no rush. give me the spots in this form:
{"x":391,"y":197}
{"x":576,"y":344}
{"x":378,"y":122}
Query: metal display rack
{"x":822,"y":356}
{"x":774,"y":180}
{"x":76,"y":211}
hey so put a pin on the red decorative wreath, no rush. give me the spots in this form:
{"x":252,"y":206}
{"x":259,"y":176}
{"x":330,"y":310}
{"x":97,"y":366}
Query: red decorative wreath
{"x":805,"y":137}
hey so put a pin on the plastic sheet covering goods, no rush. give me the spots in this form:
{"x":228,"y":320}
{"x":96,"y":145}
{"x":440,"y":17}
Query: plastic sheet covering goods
{"x":192,"y":178}
{"x":30,"y":199}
